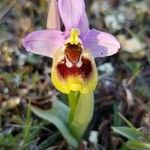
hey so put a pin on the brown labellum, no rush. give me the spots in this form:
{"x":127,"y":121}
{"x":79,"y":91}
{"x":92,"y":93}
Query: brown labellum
{"x":73,"y":52}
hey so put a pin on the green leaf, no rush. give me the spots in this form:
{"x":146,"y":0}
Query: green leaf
{"x":117,"y":119}
{"x":57,"y":115}
{"x":28,"y":122}
{"x":49,"y":141}
{"x":73,"y":98}
{"x":7,"y":141}
{"x":129,"y":133}
{"x":137,"y":145}
{"x":125,"y":120}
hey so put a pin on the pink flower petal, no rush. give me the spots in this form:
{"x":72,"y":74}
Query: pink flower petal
{"x":71,"y":11}
{"x":83,"y":25}
{"x":101,"y":44}
{"x":53,"y":18}
{"x":44,"y":42}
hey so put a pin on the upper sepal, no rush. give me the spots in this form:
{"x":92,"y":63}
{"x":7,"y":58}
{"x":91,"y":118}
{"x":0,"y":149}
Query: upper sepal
{"x":71,"y":12}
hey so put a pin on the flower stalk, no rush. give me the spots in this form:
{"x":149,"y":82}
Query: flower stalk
{"x":73,"y":98}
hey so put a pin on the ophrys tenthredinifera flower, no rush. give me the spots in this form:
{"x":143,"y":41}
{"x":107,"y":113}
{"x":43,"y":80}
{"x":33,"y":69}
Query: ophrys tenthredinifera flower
{"x":73,"y":50}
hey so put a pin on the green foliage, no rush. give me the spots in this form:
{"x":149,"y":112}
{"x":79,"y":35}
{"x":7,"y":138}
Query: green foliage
{"x":135,"y":136}
{"x":72,"y":124}
{"x":49,"y":141}
{"x":28,"y":123}
{"x":117,"y":119}
{"x":129,"y":133}
{"x":25,"y":139}
{"x":7,"y":141}
{"x":57,"y":115}
{"x":137,"y":145}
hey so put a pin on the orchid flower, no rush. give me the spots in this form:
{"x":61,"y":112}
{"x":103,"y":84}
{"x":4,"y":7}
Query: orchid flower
{"x":73,"y":50}
{"x":73,"y":70}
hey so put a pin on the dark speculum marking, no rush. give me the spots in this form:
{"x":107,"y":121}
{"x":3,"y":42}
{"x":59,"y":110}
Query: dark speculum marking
{"x":85,"y":70}
{"x":73,"y":52}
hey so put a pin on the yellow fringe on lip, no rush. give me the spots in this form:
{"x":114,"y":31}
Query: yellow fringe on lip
{"x":76,"y":84}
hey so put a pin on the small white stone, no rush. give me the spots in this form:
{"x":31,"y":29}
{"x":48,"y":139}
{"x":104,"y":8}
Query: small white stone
{"x":107,"y":68}
{"x":93,"y":138}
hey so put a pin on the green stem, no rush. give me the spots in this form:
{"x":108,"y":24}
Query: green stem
{"x":73,"y":100}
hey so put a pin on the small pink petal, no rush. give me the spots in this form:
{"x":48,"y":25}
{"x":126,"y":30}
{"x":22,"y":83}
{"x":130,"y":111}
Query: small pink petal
{"x":44,"y":42}
{"x":53,"y":18}
{"x":101,"y":44}
{"x":70,"y":12}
